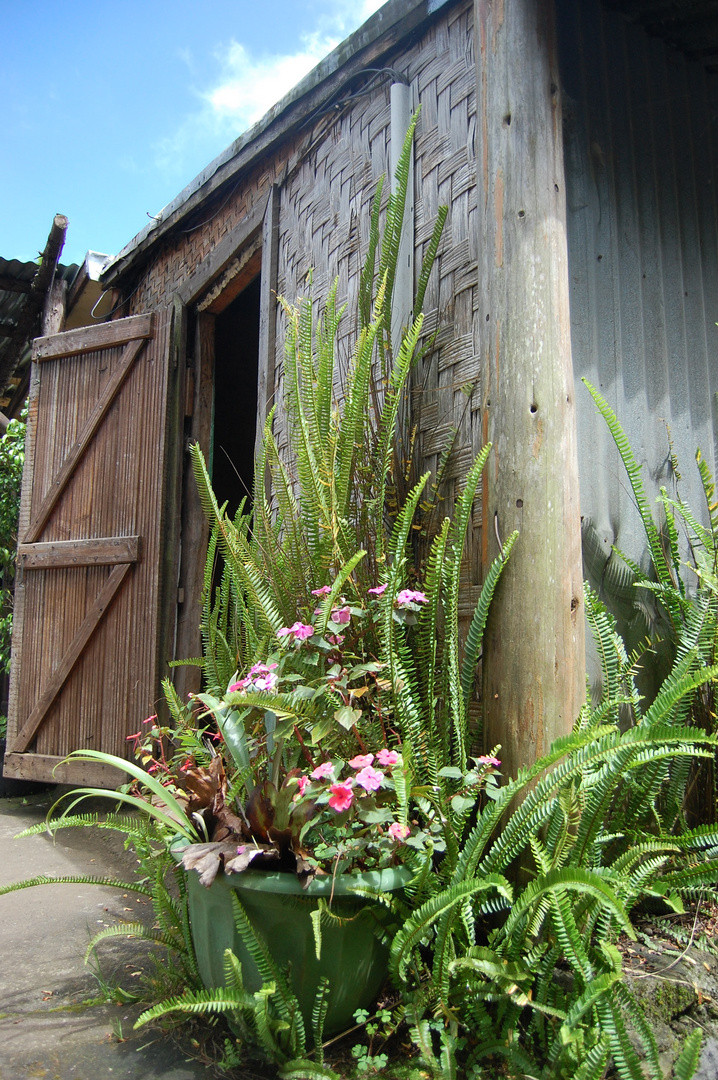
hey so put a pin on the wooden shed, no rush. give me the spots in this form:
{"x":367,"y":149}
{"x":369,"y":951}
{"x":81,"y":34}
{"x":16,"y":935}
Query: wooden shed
{"x":574,"y":145}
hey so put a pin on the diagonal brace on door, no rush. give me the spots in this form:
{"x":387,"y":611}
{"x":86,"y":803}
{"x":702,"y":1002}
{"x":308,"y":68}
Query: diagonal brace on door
{"x":61,"y":673}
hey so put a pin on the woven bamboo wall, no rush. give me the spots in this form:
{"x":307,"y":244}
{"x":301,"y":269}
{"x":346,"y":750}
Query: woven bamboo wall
{"x":327,"y":174}
{"x":324,"y":224}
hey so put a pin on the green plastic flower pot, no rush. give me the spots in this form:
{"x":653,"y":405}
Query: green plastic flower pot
{"x":352,"y":957}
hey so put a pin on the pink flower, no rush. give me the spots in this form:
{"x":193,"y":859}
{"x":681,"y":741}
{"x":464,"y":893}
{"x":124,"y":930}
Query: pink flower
{"x":398,"y":832}
{"x":386,"y":757}
{"x":361,"y":761}
{"x":487,"y":759}
{"x":324,"y":591}
{"x":377,"y":590}
{"x":341,"y":615}
{"x":302,"y":782}
{"x":259,"y":677}
{"x":370,"y":779}
{"x":409,"y":596}
{"x":322,"y":771}
{"x":335,"y":639}
{"x":298,"y":631}
{"x":266,"y":682}
{"x":341,"y":796}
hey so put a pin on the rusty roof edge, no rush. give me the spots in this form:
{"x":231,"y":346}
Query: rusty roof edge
{"x":400,"y":16}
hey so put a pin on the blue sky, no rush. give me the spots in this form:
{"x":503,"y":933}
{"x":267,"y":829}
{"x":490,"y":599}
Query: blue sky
{"x":109,"y":109}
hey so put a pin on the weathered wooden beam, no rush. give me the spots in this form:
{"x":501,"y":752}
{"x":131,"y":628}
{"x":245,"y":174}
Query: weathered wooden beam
{"x":98,"y":551}
{"x":268,"y":313}
{"x":78,"y":773}
{"x":33,"y":307}
{"x":87,"y":338}
{"x":219,"y":257}
{"x":533,"y":659}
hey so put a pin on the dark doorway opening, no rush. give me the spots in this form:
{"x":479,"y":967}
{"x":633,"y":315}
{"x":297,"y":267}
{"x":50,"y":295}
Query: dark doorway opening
{"x":236,"y":363}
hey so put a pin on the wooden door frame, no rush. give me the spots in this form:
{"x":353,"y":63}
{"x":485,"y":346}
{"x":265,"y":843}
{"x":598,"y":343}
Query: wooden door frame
{"x":207,"y":291}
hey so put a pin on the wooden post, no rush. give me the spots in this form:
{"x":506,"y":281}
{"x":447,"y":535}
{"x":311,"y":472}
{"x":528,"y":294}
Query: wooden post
{"x":533,"y":670}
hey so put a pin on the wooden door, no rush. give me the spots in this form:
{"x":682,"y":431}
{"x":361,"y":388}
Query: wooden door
{"x":88,"y":598}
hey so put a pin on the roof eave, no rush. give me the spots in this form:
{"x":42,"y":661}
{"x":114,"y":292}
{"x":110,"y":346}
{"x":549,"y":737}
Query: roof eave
{"x":381,"y":32}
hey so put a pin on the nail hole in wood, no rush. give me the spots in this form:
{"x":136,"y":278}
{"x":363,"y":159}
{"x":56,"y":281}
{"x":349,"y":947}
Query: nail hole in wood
{"x":507,"y":120}
{"x":534,"y":408}
{"x":519,"y":503}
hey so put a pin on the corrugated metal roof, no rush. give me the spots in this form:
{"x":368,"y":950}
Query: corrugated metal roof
{"x":15,"y":281}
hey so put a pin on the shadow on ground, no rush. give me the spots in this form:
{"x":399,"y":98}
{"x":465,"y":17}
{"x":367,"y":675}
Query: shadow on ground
{"x":48,"y":1031}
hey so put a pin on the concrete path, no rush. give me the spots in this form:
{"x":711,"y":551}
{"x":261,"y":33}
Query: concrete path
{"x":47,"y":1031}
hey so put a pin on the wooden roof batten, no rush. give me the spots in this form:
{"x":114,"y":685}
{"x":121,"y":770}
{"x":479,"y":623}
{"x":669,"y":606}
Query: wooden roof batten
{"x":356,"y":55}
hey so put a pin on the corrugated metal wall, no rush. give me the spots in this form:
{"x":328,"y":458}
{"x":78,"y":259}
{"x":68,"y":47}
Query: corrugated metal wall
{"x":641,"y":141}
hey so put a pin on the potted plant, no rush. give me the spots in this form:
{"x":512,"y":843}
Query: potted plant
{"x":328,"y":757}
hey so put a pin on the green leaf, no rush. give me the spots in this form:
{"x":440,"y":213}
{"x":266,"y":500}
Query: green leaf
{"x":347,"y":717}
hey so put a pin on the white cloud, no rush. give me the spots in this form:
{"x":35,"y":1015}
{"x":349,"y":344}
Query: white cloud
{"x":248,"y":82}
{"x":248,"y":86}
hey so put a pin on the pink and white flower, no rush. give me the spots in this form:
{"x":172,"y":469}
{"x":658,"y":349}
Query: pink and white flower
{"x":378,"y":590}
{"x":298,"y":631}
{"x":324,"y":591}
{"x":259,"y":677}
{"x":397,"y":831}
{"x":341,"y":615}
{"x":361,"y":761}
{"x":386,"y":757}
{"x":370,"y":779}
{"x":411,"y":596}
{"x":488,"y":759}
{"x":322,"y":771}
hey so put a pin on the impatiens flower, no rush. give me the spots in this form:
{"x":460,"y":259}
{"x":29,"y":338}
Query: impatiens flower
{"x":265,"y":682}
{"x":397,"y":831}
{"x":386,"y":757}
{"x":299,"y":631}
{"x":324,"y":591}
{"x":262,"y":669}
{"x":487,"y":759}
{"x":322,"y":771}
{"x":377,"y":590}
{"x":361,"y":761}
{"x":370,"y":779}
{"x":302,"y":782}
{"x":341,"y":796}
{"x":341,"y":615}
{"x":410,"y":596}
{"x":259,"y":677}
{"x":335,"y":639}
